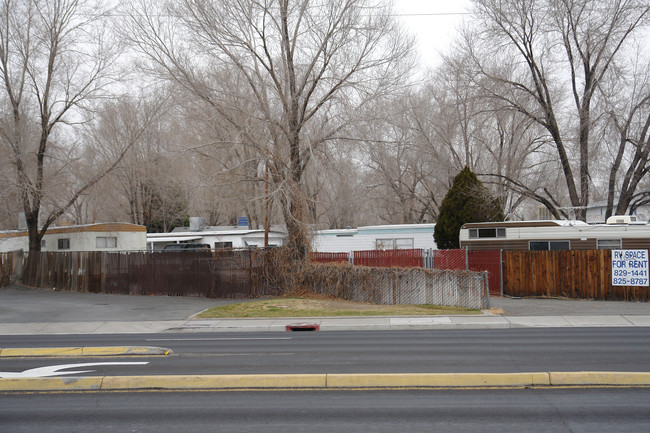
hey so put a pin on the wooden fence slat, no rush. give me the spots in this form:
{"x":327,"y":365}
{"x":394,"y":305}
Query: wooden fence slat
{"x":576,"y":274}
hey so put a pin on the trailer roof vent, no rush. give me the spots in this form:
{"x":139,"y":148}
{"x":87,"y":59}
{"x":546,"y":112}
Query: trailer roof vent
{"x":622,"y":219}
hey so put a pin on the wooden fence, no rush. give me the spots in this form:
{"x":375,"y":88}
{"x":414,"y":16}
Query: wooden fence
{"x":582,"y":274}
{"x":218,"y":274}
{"x":10,"y":267}
{"x":245,"y":274}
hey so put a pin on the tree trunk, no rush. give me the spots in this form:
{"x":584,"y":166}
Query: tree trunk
{"x":35,"y":236}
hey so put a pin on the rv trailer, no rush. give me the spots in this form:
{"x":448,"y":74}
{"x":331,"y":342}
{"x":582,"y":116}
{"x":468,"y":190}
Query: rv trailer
{"x":620,"y":232}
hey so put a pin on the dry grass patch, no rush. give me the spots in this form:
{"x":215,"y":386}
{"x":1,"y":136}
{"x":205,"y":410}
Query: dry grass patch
{"x":325,"y":307}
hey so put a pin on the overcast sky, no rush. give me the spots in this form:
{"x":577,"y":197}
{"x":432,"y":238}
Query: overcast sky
{"x":433,"y":22}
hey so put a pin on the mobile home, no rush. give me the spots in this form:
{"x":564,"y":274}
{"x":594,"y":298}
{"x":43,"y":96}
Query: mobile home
{"x":381,"y":237}
{"x":218,"y":237}
{"x":89,"y":237}
{"x":620,"y":232}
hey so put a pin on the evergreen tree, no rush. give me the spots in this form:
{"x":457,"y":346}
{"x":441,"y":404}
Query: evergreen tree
{"x":467,"y":201}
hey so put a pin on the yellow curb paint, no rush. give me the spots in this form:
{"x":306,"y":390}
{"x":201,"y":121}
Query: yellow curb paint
{"x":45,"y":351}
{"x":83,"y":351}
{"x":51,"y":384}
{"x":436,"y":380}
{"x":327,"y":381}
{"x":611,"y":378}
{"x":126,"y":350}
{"x":215,"y":381}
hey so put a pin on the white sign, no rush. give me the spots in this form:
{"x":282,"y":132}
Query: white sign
{"x":629,"y":267}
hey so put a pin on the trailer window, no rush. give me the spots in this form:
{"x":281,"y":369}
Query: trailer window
{"x":538,"y":246}
{"x":404,"y":244}
{"x":385,"y":244}
{"x":549,"y":245}
{"x":559,"y":245}
{"x":609,"y":244}
{"x":487,"y":233}
{"x":106,"y":242}
{"x":394,"y":244}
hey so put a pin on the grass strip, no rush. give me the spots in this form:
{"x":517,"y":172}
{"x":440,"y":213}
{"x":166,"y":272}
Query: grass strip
{"x":311,"y":307}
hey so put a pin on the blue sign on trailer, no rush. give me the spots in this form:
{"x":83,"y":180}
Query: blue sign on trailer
{"x":242,"y":221}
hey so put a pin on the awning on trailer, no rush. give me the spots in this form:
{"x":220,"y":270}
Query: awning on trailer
{"x":174,"y":239}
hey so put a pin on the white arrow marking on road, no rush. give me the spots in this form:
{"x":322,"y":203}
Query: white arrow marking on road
{"x":53,"y":370}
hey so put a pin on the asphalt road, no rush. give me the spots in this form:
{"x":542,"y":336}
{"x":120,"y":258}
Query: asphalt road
{"x":19,"y":304}
{"x":440,"y":351}
{"x":521,"y":410}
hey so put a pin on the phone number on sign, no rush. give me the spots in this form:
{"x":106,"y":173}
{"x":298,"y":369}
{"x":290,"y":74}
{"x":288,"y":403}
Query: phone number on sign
{"x":625,"y":273}
{"x":630,"y":282}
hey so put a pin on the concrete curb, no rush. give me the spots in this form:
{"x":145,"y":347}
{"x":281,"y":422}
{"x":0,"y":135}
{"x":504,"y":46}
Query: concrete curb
{"x":327,"y":381}
{"x":83,"y":351}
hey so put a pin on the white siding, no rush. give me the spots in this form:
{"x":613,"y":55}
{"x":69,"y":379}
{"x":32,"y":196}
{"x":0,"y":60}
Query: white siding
{"x":239,"y":238}
{"x":79,"y":240}
{"x":571,"y":230}
{"x":365,"y":238}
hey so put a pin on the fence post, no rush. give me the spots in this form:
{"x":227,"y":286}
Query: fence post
{"x":466,"y":259}
{"x":501,"y":266}
{"x":486,"y":277}
{"x":103,"y":260}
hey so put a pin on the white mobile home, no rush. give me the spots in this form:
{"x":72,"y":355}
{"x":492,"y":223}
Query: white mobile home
{"x":217,"y":237}
{"x":382,"y":237}
{"x":90,"y":237}
{"x":620,"y":232}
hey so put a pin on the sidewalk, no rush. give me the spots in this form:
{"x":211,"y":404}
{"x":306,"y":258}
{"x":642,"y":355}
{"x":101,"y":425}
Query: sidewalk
{"x":27,"y":311}
{"x":483,"y":321}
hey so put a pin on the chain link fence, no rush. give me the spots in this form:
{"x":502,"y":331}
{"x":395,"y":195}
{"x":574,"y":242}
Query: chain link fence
{"x":391,"y":286}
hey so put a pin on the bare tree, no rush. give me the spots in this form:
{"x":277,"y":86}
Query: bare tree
{"x":148,"y":179}
{"x":399,"y":175}
{"x":549,"y":60}
{"x":307,"y":65}
{"x":53,"y":60}
{"x":627,"y":136}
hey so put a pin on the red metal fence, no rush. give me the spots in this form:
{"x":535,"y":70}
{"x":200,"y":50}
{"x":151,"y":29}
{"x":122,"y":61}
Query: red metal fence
{"x":329,"y":257}
{"x":489,"y":261}
{"x":450,"y":259}
{"x":390,"y":258}
{"x":480,"y":261}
